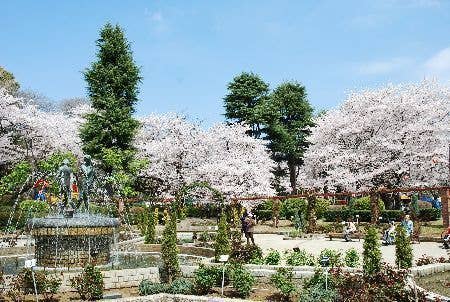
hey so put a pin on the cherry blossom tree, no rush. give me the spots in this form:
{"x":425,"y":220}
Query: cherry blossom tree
{"x":181,"y":152}
{"x":393,"y":136}
{"x":27,"y":133}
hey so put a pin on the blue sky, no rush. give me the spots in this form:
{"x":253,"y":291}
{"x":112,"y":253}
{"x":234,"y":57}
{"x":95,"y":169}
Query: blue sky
{"x":189,"y":50}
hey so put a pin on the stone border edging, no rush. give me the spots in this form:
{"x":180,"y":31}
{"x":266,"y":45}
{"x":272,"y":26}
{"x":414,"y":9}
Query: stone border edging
{"x":176,"y":298}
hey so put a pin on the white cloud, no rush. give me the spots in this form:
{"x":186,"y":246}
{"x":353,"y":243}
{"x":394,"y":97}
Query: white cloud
{"x":438,"y":65}
{"x":383,"y":67}
{"x":157,"y":21}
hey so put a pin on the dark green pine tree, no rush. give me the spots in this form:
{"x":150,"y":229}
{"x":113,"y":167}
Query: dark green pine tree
{"x":288,"y":115}
{"x":246,"y":93}
{"x":112,"y":89}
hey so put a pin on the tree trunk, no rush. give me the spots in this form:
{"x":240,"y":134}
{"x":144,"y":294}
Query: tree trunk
{"x":445,"y":201}
{"x":374,"y":206}
{"x":311,"y":212}
{"x":293,"y":177}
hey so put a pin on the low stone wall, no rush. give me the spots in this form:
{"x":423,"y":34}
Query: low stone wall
{"x":189,"y":250}
{"x":429,"y":269}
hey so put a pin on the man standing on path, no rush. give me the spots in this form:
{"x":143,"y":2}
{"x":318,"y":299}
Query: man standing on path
{"x":250,"y":226}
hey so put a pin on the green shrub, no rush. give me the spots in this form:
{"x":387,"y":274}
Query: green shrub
{"x":89,"y":284}
{"x":13,"y":182}
{"x":17,"y":219}
{"x":282,"y":280}
{"x":320,"y":280}
{"x":429,"y":214}
{"x":149,"y":228}
{"x":300,"y":258}
{"x":364,"y":215}
{"x":335,"y":256}
{"x":351,"y":258}
{"x":242,"y":280}
{"x":169,"y":249}
{"x":108,"y":209}
{"x":372,"y":252}
{"x":206,"y":277}
{"x":181,"y":286}
{"x":363,"y":203}
{"x":403,"y":249}
{"x":318,"y":293}
{"x":246,"y":254}
{"x":146,"y":287}
{"x":273,"y":257}
{"x":46,"y":284}
{"x":291,"y":206}
{"x":222,"y":243}
{"x":264,"y":210}
{"x":322,"y":206}
{"x":33,"y":208}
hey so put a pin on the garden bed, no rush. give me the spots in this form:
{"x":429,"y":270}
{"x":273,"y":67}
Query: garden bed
{"x":438,"y":283}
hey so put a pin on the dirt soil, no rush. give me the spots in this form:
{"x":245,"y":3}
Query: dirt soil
{"x":437,"y":283}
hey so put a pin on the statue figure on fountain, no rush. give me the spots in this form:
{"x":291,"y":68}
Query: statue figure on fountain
{"x":86,"y":180}
{"x":64,"y":175}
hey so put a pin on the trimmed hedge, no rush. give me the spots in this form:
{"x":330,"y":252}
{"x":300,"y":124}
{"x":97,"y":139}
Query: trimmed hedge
{"x":388,"y":215}
{"x":364,"y":215}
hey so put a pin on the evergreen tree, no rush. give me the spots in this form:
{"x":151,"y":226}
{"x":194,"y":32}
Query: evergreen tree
{"x":8,"y":82}
{"x":169,"y":249}
{"x":243,"y":102}
{"x":288,"y":115}
{"x":403,"y":249}
{"x":222,"y":243}
{"x":112,"y":89}
{"x":372,"y":252}
{"x":150,"y":227}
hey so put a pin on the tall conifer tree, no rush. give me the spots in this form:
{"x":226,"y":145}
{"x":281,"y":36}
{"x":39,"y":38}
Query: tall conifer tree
{"x":112,"y":89}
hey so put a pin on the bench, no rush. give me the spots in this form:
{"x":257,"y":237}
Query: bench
{"x":357,"y":235}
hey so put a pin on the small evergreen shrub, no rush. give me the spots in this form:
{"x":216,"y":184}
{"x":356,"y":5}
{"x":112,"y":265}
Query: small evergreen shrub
{"x":300,"y":258}
{"x":403,"y":249}
{"x":351,"y":258}
{"x":150,"y":226}
{"x":181,"y":286}
{"x":169,"y":249}
{"x":206,"y":277}
{"x":273,"y":257}
{"x":429,"y":214}
{"x":291,"y":206}
{"x":372,"y":252}
{"x":317,"y":293}
{"x":246,"y":254}
{"x":335,"y":256}
{"x":363,"y":203}
{"x":242,"y":280}
{"x":282,"y":280}
{"x":222,"y":243}
{"x":146,"y":287}
{"x":89,"y":284}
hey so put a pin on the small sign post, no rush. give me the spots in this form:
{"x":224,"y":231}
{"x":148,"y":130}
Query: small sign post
{"x":223,"y":259}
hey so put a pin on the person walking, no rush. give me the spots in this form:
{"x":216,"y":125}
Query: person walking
{"x":250,"y":226}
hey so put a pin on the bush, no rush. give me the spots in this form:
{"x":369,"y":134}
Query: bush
{"x":429,"y":214}
{"x":317,"y":293}
{"x":246,"y":254}
{"x":109,"y":209}
{"x":206,"y":278}
{"x":146,"y":287}
{"x":424,"y":260}
{"x":242,"y":280}
{"x":264,"y":210}
{"x":291,"y":206}
{"x":363,"y":203}
{"x":89,"y":284}
{"x":13,"y":182}
{"x":282,"y":280}
{"x":300,"y":258}
{"x":372,"y":252}
{"x":322,"y":206}
{"x":351,"y":258}
{"x":181,"y":286}
{"x":273,"y":257}
{"x":47,"y":285}
{"x":334,"y":256}
{"x":222,"y":243}
{"x":364,"y":215}
{"x":169,"y":249}
{"x":403,"y":249}
{"x":149,"y":225}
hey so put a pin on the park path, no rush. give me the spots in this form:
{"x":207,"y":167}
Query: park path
{"x":314,"y":246}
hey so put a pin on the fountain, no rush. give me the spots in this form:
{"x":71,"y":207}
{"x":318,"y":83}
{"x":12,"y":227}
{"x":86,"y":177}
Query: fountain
{"x":68,"y":239}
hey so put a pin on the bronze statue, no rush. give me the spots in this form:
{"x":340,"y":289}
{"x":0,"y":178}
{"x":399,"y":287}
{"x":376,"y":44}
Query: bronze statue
{"x":86,"y":181}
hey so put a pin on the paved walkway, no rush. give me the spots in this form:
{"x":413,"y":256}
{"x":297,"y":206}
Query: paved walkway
{"x":314,"y":246}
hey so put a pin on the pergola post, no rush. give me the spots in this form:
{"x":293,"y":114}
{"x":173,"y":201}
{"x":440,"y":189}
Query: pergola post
{"x":445,"y":197}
